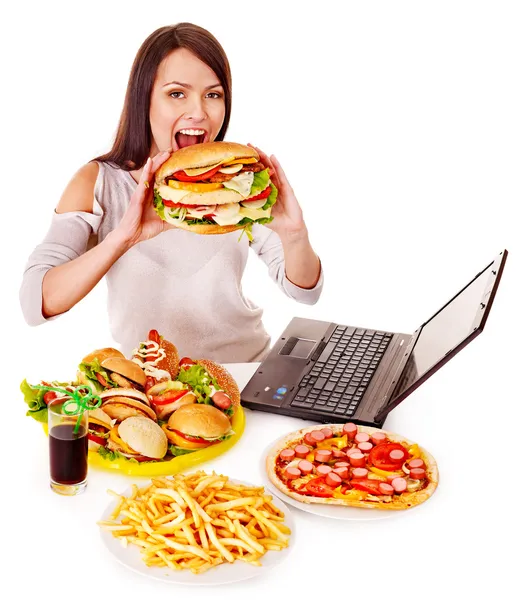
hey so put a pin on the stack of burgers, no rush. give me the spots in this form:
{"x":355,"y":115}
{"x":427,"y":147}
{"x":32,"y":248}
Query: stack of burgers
{"x":156,"y":406}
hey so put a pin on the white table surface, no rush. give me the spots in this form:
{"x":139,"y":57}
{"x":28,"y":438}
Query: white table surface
{"x":459,"y":542}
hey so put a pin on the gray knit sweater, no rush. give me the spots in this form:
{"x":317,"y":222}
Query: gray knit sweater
{"x":187,"y":286}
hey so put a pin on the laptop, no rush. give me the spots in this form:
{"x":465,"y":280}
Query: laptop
{"x":332,"y":373}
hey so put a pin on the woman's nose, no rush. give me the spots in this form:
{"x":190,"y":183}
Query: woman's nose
{"x":196,"y":112}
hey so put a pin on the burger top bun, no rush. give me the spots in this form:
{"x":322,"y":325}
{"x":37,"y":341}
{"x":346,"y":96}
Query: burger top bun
{"x":200,"y":420}
{"x":203,"y":155}
{"x":125,"y":367}
{"x":102,"y":354}
{"x":225,"y":380}
{"x":144,"y":436}
{"x":125,"y":393}
{"x":97,"y":414}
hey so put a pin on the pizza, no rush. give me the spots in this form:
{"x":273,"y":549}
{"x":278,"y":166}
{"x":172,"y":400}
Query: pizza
{"x":352,"y":465}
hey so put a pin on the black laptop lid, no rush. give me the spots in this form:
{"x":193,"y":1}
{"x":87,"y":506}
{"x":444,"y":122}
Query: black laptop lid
{"x":448,"y":331}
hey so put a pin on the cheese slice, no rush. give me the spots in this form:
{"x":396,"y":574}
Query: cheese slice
{"x":228,"y":214}
{"x":255,"y":213}
{"x":241,"y":183}
{"x":230,"y":170}
{"x":169,"y":193}
{"x":200,"y":170}
{"x":245,"y":161}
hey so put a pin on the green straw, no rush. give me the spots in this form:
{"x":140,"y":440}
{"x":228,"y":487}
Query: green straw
{"x":82,"y":399}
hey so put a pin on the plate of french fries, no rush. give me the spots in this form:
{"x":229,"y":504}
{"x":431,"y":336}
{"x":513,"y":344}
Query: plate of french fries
{"x":197,"y":528}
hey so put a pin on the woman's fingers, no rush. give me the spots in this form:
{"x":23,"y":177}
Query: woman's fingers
{"x":159,"y":159}
{"x":148,"y":172}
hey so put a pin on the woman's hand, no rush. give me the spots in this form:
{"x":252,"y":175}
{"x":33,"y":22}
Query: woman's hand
{"x":140,"y":221}
{"x":288,"y":220}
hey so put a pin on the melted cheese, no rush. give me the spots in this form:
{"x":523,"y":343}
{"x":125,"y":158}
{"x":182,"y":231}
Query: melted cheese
{"x":228,"y":214}
{"x":255,"y":213}
{"x":241,"y":183}
{"x":169,"y":193}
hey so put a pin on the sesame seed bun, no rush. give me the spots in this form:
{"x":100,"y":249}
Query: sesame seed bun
{"x":224,"y":378}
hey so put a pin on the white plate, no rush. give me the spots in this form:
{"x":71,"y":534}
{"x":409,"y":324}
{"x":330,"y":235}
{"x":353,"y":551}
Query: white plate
{"x":130,"y":556}
{"x":331,"y":511}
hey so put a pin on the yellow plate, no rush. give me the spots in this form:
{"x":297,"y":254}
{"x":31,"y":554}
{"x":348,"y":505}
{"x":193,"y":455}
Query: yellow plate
{"x":176,"y":464}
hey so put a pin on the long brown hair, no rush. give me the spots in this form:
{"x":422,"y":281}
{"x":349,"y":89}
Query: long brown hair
{"x":133,"y":140}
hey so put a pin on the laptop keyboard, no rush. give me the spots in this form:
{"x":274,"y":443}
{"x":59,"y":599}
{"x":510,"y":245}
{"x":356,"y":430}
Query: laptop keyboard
{"x":341,"y":374}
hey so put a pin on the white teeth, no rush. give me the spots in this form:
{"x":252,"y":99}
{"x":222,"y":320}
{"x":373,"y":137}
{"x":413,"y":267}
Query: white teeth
{"x":192,"y":131}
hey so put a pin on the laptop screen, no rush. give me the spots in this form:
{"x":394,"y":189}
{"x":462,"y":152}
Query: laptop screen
{"x":449,"y":329}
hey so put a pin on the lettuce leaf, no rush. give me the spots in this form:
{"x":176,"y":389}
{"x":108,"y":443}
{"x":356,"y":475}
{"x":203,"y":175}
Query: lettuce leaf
{"x":158,"y":204}
{"x":35,"y":400}
{"x":200,"y":380}
{"x":261,"y":181}
{"x":271,"y":200}
{"x":91,"y":370}
{"x":176,"y":451}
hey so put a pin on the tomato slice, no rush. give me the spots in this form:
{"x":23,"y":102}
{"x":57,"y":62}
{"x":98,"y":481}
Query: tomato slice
{"x":372,"y":486}
{"x":102,"y":381}
{"x":318,"y":487}
{"x":264,"y":194}
{"x":171,"y":204}
{"x":186,"y":362}
{"x":168,"y":397}
{"x":182,"y":176}
{"x":49,"y":396}
{"x":96,"y":439}
{"x":379,"y":456}
{"x":194,"y":440}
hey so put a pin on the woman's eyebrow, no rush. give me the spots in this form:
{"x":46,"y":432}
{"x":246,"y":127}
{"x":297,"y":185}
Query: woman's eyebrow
{"x":188,"y":86}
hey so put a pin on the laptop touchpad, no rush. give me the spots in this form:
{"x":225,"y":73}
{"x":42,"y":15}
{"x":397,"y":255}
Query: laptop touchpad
{"x":298,"y":347}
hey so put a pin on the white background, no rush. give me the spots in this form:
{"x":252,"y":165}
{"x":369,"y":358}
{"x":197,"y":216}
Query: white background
{"x":402,"y":128}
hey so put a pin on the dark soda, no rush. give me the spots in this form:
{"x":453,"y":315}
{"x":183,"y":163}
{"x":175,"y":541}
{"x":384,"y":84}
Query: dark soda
{"x":68,"y":454}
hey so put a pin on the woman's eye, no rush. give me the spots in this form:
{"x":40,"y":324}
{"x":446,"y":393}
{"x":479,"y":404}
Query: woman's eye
{"x":176,"y":94}
{"x":214,"y":95}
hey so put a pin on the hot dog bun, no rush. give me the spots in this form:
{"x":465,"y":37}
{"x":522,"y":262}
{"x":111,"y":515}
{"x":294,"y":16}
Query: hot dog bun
{"x":224,"y":378}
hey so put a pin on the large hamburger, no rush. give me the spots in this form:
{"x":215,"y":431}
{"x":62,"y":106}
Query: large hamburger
{"x":215,"y":187}
{"x":108,"y":368}
{"x":138,"y":438}
{"x":196,"y":426}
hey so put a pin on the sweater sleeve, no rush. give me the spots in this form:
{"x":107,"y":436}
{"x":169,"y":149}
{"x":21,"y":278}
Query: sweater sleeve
{"x":267,"y":246}
{"x":68,"y":237}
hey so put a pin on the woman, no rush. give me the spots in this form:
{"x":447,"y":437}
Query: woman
{"x":185,"y":285}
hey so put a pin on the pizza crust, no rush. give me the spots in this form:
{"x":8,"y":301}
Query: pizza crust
{"x":409,"y":499}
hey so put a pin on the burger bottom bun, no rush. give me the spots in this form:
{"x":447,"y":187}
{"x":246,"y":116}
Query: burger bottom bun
{"x":144,"y":436}
{"x":205,"y":229}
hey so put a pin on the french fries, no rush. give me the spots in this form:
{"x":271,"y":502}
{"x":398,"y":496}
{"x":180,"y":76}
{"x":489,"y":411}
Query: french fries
{"x":197,"y":522}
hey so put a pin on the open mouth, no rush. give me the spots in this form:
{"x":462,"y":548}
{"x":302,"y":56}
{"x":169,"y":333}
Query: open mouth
{"x":190,"y":137}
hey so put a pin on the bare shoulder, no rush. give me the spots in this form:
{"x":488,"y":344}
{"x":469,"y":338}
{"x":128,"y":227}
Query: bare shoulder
{"x":78,"y":194}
